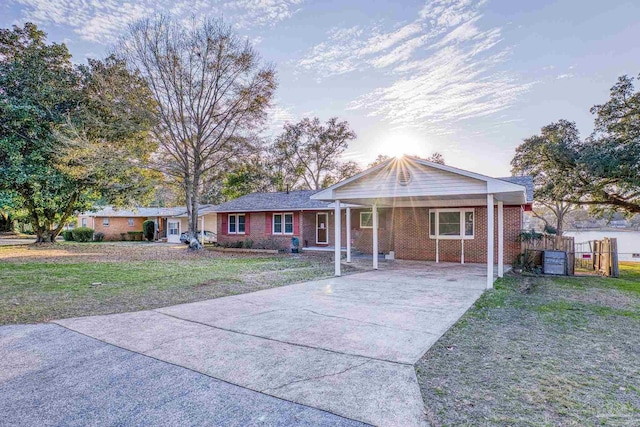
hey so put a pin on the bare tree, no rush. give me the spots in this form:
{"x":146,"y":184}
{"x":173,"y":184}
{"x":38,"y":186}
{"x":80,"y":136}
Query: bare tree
{"x":311,"y":152}
{"x":212,"y":92}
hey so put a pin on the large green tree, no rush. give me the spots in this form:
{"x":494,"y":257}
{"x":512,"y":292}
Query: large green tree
{"x":602,"y":171}
{"x":68,"y":135}
{"x":610,"y":157}
{"x":551,"y":158}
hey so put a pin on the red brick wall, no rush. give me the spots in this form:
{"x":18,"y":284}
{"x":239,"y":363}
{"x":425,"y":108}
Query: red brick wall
{"x":411,"y":228}
{"x":116,"y":226}
{"x":259,"y":228}
{"x":363,"y":237}
{"x":304,"y":228}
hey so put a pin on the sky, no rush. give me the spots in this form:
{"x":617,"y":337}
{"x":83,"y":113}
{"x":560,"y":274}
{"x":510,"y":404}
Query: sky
{"x":469,"y":79}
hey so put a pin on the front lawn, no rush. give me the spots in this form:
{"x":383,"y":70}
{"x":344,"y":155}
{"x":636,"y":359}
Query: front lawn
{"x":41,"y":283}
{"x":541,"y":351}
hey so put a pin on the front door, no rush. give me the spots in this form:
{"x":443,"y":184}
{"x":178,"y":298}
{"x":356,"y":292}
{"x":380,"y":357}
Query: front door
{"x":173,"y":228}
{"x":322,"y":228}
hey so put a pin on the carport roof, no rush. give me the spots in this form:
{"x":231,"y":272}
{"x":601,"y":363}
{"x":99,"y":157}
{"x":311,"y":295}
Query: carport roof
{"x":413,"y":181}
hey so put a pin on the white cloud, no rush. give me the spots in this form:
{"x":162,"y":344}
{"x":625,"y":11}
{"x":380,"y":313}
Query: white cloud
{"x":564,"y":76}
{"x":104,"y":20}
{"x":444,"y":67}
{"x":277,"y":116}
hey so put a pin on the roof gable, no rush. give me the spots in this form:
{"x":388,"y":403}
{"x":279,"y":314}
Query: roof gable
{"x":426,"y":179}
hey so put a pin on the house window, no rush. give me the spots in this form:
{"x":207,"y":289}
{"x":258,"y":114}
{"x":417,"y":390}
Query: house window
{"x":174,"y":228}
{"x":282,"y":223}
{"x":236,"y":224}
{"x":130,"y":222}
{"x":105,"y":222}
{"x":451,"y":223}
{"x":366,"y":220}
{"x":84,"y":222}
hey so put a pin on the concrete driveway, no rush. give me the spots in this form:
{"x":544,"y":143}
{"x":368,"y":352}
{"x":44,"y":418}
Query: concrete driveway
{"x":344,"y":345}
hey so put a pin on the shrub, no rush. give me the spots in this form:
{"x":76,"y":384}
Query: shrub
{"x":247,"y":244}
{"x":269,"y":243}
{"x":98,"y":237}
{"x":67,"y":235}
{"x":234,"y":245}
{"x":149,"y":230}
{"x":82,"y":234}
{"x":135,"y":235}
{"x":123,"y":236}
{"x":529,"y":236}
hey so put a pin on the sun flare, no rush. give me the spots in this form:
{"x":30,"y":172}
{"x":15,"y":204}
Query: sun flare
{"x":398,"y":144}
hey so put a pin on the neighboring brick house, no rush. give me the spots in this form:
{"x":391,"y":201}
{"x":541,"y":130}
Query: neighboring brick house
{"x":117,"y":223}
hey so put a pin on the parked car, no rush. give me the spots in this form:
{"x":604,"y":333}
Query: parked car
{"x":209,"y":237}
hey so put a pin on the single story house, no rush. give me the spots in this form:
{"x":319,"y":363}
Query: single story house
{"x":407,"y":208}
{"x":277,"y":217}
{"x":170,"y":222}
{"x":427,"y":211}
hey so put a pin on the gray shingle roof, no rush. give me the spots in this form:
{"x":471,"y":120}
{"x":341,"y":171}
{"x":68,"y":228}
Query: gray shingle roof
{"x":136,"y":212}
{"x":525,"y":181}
{"x":282,"y":201}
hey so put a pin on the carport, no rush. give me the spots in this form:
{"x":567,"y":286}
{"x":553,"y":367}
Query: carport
{"x":412,"y":183}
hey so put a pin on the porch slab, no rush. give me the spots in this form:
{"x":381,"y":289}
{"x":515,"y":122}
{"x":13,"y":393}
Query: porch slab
{"x":344,"y":345}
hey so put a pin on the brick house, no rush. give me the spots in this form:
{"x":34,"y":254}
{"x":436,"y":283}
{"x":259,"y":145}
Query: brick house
{"x":116,"y":223}
{"x":277,"y":217}
{"x":421,"y":210}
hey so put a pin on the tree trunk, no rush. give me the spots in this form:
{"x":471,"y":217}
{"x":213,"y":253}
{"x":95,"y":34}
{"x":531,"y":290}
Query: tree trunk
{"x":193,"y":200}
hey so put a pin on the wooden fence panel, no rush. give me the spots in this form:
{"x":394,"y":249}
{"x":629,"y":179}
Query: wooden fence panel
{"x":556,"y":243}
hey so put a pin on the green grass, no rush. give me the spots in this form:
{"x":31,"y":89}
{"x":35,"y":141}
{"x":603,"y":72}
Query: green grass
{"x":41,"y":291}
{"x":541,"y":351}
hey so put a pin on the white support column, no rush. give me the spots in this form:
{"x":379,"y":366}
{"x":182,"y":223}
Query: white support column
{"x":337,"y":242}
{"x":500,"y":239}
{"x":348,"y":234}
{"x":489,"y":241}
{"x":202,"y":230}
{"x":462,"y":251}
{"x":437,"y":251}
{"x":374,"y":214}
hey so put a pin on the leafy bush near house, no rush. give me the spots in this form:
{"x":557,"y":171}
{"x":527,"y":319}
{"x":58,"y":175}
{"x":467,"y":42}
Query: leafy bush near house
{"x":98,"y":237}
{"x":82,"y":234}
{"x":67,"y":235}
{"x":123,"y":236}
{"x":149,"y":230}
{"x":235,"y":245}
{"x":247,"y":244}
{"x":135,"y":235}
{"x":529,"y":236}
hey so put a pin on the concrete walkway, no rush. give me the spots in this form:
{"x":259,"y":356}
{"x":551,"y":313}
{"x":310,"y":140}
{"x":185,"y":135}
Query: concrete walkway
{"x":345,"y":345}
{"x":51,"y":376}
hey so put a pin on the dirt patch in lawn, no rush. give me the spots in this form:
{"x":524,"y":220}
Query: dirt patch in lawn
{"x":42,"y":283}
{"x":71,"y":252}
{"x":539,"y":351}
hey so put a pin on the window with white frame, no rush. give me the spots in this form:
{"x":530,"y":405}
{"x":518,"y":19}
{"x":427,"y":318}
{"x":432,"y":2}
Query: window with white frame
{"x":366,"y":219}
{"x":282,"y":223}
{"x":130,"y":222}
{"x":236,"y":224}
{"x":84,"y":222}
{"x":451,"y":223}
{"x":105,"y":221}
